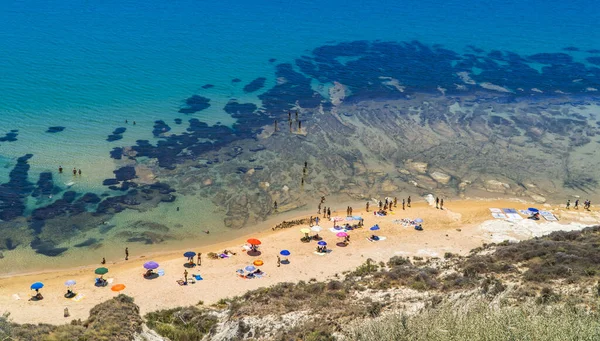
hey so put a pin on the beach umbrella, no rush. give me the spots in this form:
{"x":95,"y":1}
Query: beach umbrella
{"x":418,"y":220}
{"x":375,"y":228}
{"x":70,"y":283}
{"x":533,"y":209}
{"x":322,"y":243}
{"x":101,"y":271}
{"x":189,"y":254}
{"x":151,"y":265}
{"x":316,"y":228}
{"x":254,"y":241}
{"x":250,"y":268}
{"x":285,"y":253}
{"x":37,"y":286}
{"x":305,"y":231}
{"x":118,"y":287}
{"x":258,"y":262}
{"x":342,"y":234}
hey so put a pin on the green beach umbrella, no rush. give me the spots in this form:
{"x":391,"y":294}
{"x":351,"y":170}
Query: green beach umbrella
{"x":101,"y":271}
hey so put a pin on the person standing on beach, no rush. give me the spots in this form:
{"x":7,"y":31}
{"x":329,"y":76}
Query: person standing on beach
{"x":185,"y":274}
{"x":380,"y":204}
{"x":199,"y":258}
{"x":437,"y":202}
{"x":319,"y":211}
{"x":325,"y":212}
{"x":441,"y":204}
{"x":576,"y":204}
{"x":367,"y":206}
{"x":275,"y":204}
{"x":311,"y":221}
{"x":278,"y":261}
{"x":395,"y":202}
{"x":568,"y":203}
{"x":103,"y":261}
{"x":329,"y":212}
{"x":126,"y":253}
{"x":408,"y":201}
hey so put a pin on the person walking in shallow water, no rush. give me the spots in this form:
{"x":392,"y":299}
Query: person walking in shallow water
{"x":437,"y":202}
{"x":60,"y":169}
{"x":408,"y":201}
{"x":74,"y":171}
{"x":328,"y":212}
{"x":441,"y":204}
{"x":275,"y":205}
{"x":403,"y":204}
{"x":367,"y":206}
{"x":568,"y":203}
{"x":576,"y":204}
{"x":126,"y":253}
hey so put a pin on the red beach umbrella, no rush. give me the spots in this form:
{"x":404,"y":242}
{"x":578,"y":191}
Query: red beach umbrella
{"x":254,"y":241}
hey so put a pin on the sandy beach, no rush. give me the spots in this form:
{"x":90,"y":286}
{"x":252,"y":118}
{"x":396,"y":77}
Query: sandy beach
{"x":460,"y":227}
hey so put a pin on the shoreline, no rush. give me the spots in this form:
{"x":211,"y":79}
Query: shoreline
{"x":261,"y":229}
{"x":456,"y":229}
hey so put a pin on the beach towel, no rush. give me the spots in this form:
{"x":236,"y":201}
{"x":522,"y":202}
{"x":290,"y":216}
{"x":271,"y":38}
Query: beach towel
{"x":356,"y":217}
{"x":337,"y":230}
{"x":548,"y":216}
{"x":509,"y":210}
{"x":246,"y":248}
{"x":319,"y":253}
{"x":223,"y":255}
{"x":514,"y":216}
{"x":378,"y":240}
{"x":495,"y":210}
{"x":198,"y":277}
{"x":499,"y":215}
{"x":16,"y":297}
{"x":525,"y":212}
{"x":337,"y":218}
{"x":110,"y":280}
{"x":160,"y":272}
{"x":397,"y":221}
{"x":78,"y":298}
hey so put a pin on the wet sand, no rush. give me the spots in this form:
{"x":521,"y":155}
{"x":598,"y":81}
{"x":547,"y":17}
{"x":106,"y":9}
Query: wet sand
{"x":441,"y":234}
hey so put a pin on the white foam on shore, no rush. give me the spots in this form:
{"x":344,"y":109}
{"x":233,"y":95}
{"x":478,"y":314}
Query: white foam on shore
{"x":501,"y":230}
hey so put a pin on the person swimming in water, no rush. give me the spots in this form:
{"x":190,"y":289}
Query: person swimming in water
{"x":60,"y":169}
{"x":74,"y":171}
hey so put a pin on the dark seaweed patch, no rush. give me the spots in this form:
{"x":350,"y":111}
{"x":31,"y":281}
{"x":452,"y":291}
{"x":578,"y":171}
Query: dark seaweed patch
{"x":47,"y":248}
{"x":117,"y":134}
{"x":14,"y":192}
{"x":55,"y":129}
{"x":194,"y":104}
{"x":236,"y":80}
{"x":11,"y":136}
{"x":45,"y":186}
{"x":594,"y":60}
{"x":272,"y":60}
{"x":255,"y":85}
{"x":125,"y":173}
{"x":207,"y":86}
{"x":177,"y":121}
{"x":87,"y":242}
{"x":116,"y":153}
{"x":571,"y":48}
{"x":160,"y":127}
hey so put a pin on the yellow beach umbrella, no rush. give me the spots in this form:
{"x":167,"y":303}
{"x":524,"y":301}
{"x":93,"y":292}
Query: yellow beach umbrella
{"x":305,"y":231}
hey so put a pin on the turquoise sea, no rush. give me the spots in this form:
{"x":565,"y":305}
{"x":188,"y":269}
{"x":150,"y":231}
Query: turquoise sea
{"x":89,"y":66}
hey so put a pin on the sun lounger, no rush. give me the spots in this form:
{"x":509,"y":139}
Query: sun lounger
{"x":514,"y":216}
{"x":337,"y":230}
{"x":495,"y":210}
{"x":181,"y":282}
{"x":548,"y":216}
{"x":509,"y":210}
{"x":16,"y":297}
{"x":160,"y":272}
{"x":78,"y":298}
{"x":499,"y":215}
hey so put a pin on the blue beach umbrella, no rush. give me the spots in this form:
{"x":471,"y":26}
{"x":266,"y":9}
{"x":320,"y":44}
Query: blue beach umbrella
{"x":70,"y":283}
{"x":37,"y":286}
{"x":375,"y":228}
{"x":250,"y":268}
{"x":418,"y":220}
{"x":189,"y":254}
{"x":151,"y":265}
{"x":533,"y":209}
{"x":322,"y":243}
{"x":285,"y":253}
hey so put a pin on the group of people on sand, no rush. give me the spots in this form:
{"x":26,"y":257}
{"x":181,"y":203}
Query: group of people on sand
{"x":586,"y":204}
{"x":75,"y":171}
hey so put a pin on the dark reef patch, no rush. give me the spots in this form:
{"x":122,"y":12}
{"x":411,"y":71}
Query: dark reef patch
{"x":571,"y":48}
{"x":47,"y":248}
{"x":55,"y":129}
{"x":272,"y":60}
{"x":593,"y":51}
{"x":594,"y":60}
{"x":178,"y":121}
{"x":45,"y":186}
{"x":14,"y":193}
{"x":125,"y":173}
{"x":117,"y":134}
{"x":87,"y":242}
{"x":236,"y":80}
{"x":160,"y":127}
{"x":11,"y":136}
{"x":116,"y":153}
{"x":207,"y":86}
{"x":255,"y":85}
{"x":194,"y":104}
